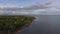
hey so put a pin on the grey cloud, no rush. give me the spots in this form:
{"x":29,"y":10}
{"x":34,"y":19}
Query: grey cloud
{"x":28,"y":9}
{"x":39,"y":6}
{"x":34,"y":7}
{"x":31,"y":7}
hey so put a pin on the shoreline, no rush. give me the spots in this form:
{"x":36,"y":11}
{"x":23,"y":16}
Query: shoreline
{"x":25,"y":23}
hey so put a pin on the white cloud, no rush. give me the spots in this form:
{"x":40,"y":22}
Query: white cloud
{"x":19,"y":13}
{"x":2,"y":12}
{"x":10,"y":6}
{"x":49,"y":11}
{"x":36,"y":9}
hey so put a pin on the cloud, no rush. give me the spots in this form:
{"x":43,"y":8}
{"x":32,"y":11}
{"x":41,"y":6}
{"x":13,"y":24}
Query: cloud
{"x":49,"y":11}
{"x":39,"y":5}
{"x":31,"y":7}
{"x":35,"y":9}
{"x":49,"y":2}
{"x":19,"y":13}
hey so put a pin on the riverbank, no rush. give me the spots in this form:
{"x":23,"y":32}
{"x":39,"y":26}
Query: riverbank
{"x":9,"y":24}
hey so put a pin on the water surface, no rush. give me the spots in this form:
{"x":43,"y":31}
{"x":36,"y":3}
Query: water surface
{"x":44,"y":24}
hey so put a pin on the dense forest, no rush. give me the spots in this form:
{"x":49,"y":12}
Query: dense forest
{"x":11,"y":23}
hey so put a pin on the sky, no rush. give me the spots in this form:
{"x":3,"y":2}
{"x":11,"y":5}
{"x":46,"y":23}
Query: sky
{"x":25,"y":7}
{"x":20,"y":2}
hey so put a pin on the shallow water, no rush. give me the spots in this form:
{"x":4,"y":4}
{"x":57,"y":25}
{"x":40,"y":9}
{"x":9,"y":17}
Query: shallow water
{"x":44,"y":24}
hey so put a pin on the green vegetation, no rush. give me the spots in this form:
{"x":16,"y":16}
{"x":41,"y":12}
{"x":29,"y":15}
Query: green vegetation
{"x":11,"y":23}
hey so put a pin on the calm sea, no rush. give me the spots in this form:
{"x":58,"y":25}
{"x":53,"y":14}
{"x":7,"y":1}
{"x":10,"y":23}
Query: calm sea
{"x":44,"y":24}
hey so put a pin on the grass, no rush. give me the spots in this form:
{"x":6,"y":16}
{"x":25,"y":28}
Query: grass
{"x":11,"y":23}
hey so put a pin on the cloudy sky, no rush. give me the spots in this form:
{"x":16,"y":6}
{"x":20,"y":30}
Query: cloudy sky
{"x":25,"y":7}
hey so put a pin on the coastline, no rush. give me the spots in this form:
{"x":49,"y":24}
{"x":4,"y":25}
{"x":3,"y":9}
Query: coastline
{"x":26,"y":22}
